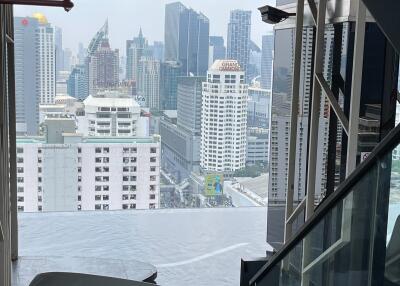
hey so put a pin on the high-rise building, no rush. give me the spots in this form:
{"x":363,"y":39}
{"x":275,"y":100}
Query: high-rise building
{"x":103,"y":68}
{"x":82,"y":52}
{"x":77,"y":83}
{"x":238,"y":46}
{"x":70,"y":172}
{"x":46,"y":68}
{"x":254,"y":67}
{"x":157,"y":49}
{"x":67,"y":59}
{"x":266,"y":61}
{"x":217,"y":49}
{"x":189,"y":103}
{"x":59,"y":49}
{"x":224,"y":118}
{"x":170,"y":71}
{"x":186,"y":38}
{"x":135,"y":50}
{"x":35,"y":71}
{"x":26,"y":84}
{"x":149,"y":82}
{"x":181,"y":135}
{"x":259,"y":108}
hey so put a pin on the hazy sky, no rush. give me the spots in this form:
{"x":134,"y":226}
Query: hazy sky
{"x":126,"y":16}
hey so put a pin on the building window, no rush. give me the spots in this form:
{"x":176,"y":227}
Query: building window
{"x":106,"y":197}
{"x":125,"y":197}
{"x":97,"y":198}
{"x":20,"y":208}
{"x":153,"y":178}
{"x":97,"y":188}
{"x":152,"y":206}
{"x":20,"y":199}
{"x":20,"y":189}
{"x":132,"y":206}
{"x":20,"y":179}
{"x":153,"y":159}
{"x":133,"y":197}
{"x":153,"y":150}
{"x":152,"y":197}
{"x":106,"y":207}
{"x":98,"y":150}
{"x":20,"y":150}
{"x":20,"y":170}
{"x":97,"y":207}
{"x":125,"y":206}
{"x":152,"y":169}
{"x":40,"y":208}
{"x":40,"y":199}
{"x":79,"y":198}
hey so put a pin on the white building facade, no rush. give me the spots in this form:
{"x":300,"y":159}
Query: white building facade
{"x":97,"y":173}
{"x":46,"y":67}
{"x":224,"y":118}
{"x":110,"y":113}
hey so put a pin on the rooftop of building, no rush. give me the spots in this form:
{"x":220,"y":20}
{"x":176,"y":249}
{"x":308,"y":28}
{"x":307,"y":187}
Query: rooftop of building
{"x":225,"y":65}
{"x":111,"y":99}
{"x":93,"y":140}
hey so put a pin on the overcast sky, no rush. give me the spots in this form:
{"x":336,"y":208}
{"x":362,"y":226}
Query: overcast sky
{"x":126,"y":16}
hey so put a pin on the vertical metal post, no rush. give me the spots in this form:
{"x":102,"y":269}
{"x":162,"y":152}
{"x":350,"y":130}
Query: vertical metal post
{"x":356,"y":89}
{"x":294,"y":118}
{"x":315,"y":109}
{"x":12,"y":141}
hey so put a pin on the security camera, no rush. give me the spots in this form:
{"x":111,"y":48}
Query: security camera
{"x":68,"y":5}
{"x":272,"y":15}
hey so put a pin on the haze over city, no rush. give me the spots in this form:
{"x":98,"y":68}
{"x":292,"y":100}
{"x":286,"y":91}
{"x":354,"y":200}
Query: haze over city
{"x":126,"y":18}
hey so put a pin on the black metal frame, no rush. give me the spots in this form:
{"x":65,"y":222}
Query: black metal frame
{"x":386,"y":145}
{"x":66,"y":4}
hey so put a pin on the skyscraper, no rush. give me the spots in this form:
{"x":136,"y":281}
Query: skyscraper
{"x":217,"y":49}
{"x":168,"y":84}
{"x":186,"y":38}
{"x":26,"y":84}
{"x":149,"y":82}
{"x":224,"y":118}
{"x":46,"y":67}
{"x":59,"y":49}
{"x":135,"y":49}
{"x":103,"y":68}
{"x":266,"y":61}
{"x":157,"y":49}
{"x":239,"y":28}
{"x":77,"y":83}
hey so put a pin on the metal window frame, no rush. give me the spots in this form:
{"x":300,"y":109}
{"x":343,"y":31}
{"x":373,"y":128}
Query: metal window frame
{"x":391,"y":141}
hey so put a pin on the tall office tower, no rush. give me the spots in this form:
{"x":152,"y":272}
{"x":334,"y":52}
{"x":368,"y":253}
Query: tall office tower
{"x":149,"y":82}
{"x":81,"y":54}
{"x":103,"y":68}
{"x":94,"y":46}
{"x":157,"y":49}
{"x":77,"y":83}
{"x":217,"y":49}
{"x":26,"y":84}
{"x":46,"y":68}
{"x":170,"y":71}
{"x":259,"y":108}
{"x":135,"y":49}
{"x":180,"y":145}
{"x":224,"y":118}
{"x":68,"y":59}
{"x":239,"y":29}
{"x":254,"y":67}
{"x":186,"y":38}
{"x":59,"y":49}
{"x":266,"y":61}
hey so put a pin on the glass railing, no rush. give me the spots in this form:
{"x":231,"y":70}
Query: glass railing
{"x":354,"y":236}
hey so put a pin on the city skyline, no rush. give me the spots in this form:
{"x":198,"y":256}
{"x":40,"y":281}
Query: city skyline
{"x":120,"y":31}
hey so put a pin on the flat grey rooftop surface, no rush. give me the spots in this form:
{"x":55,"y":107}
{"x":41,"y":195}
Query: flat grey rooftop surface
{"x":188,"y":247}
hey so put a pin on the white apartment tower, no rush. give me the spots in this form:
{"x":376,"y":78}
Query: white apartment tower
{"x":46,"y":66}
{"x":224,"y":118}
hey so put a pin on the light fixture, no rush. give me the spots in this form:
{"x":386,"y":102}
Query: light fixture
{"x":272,"y":15}
{"x":66,"y":4}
